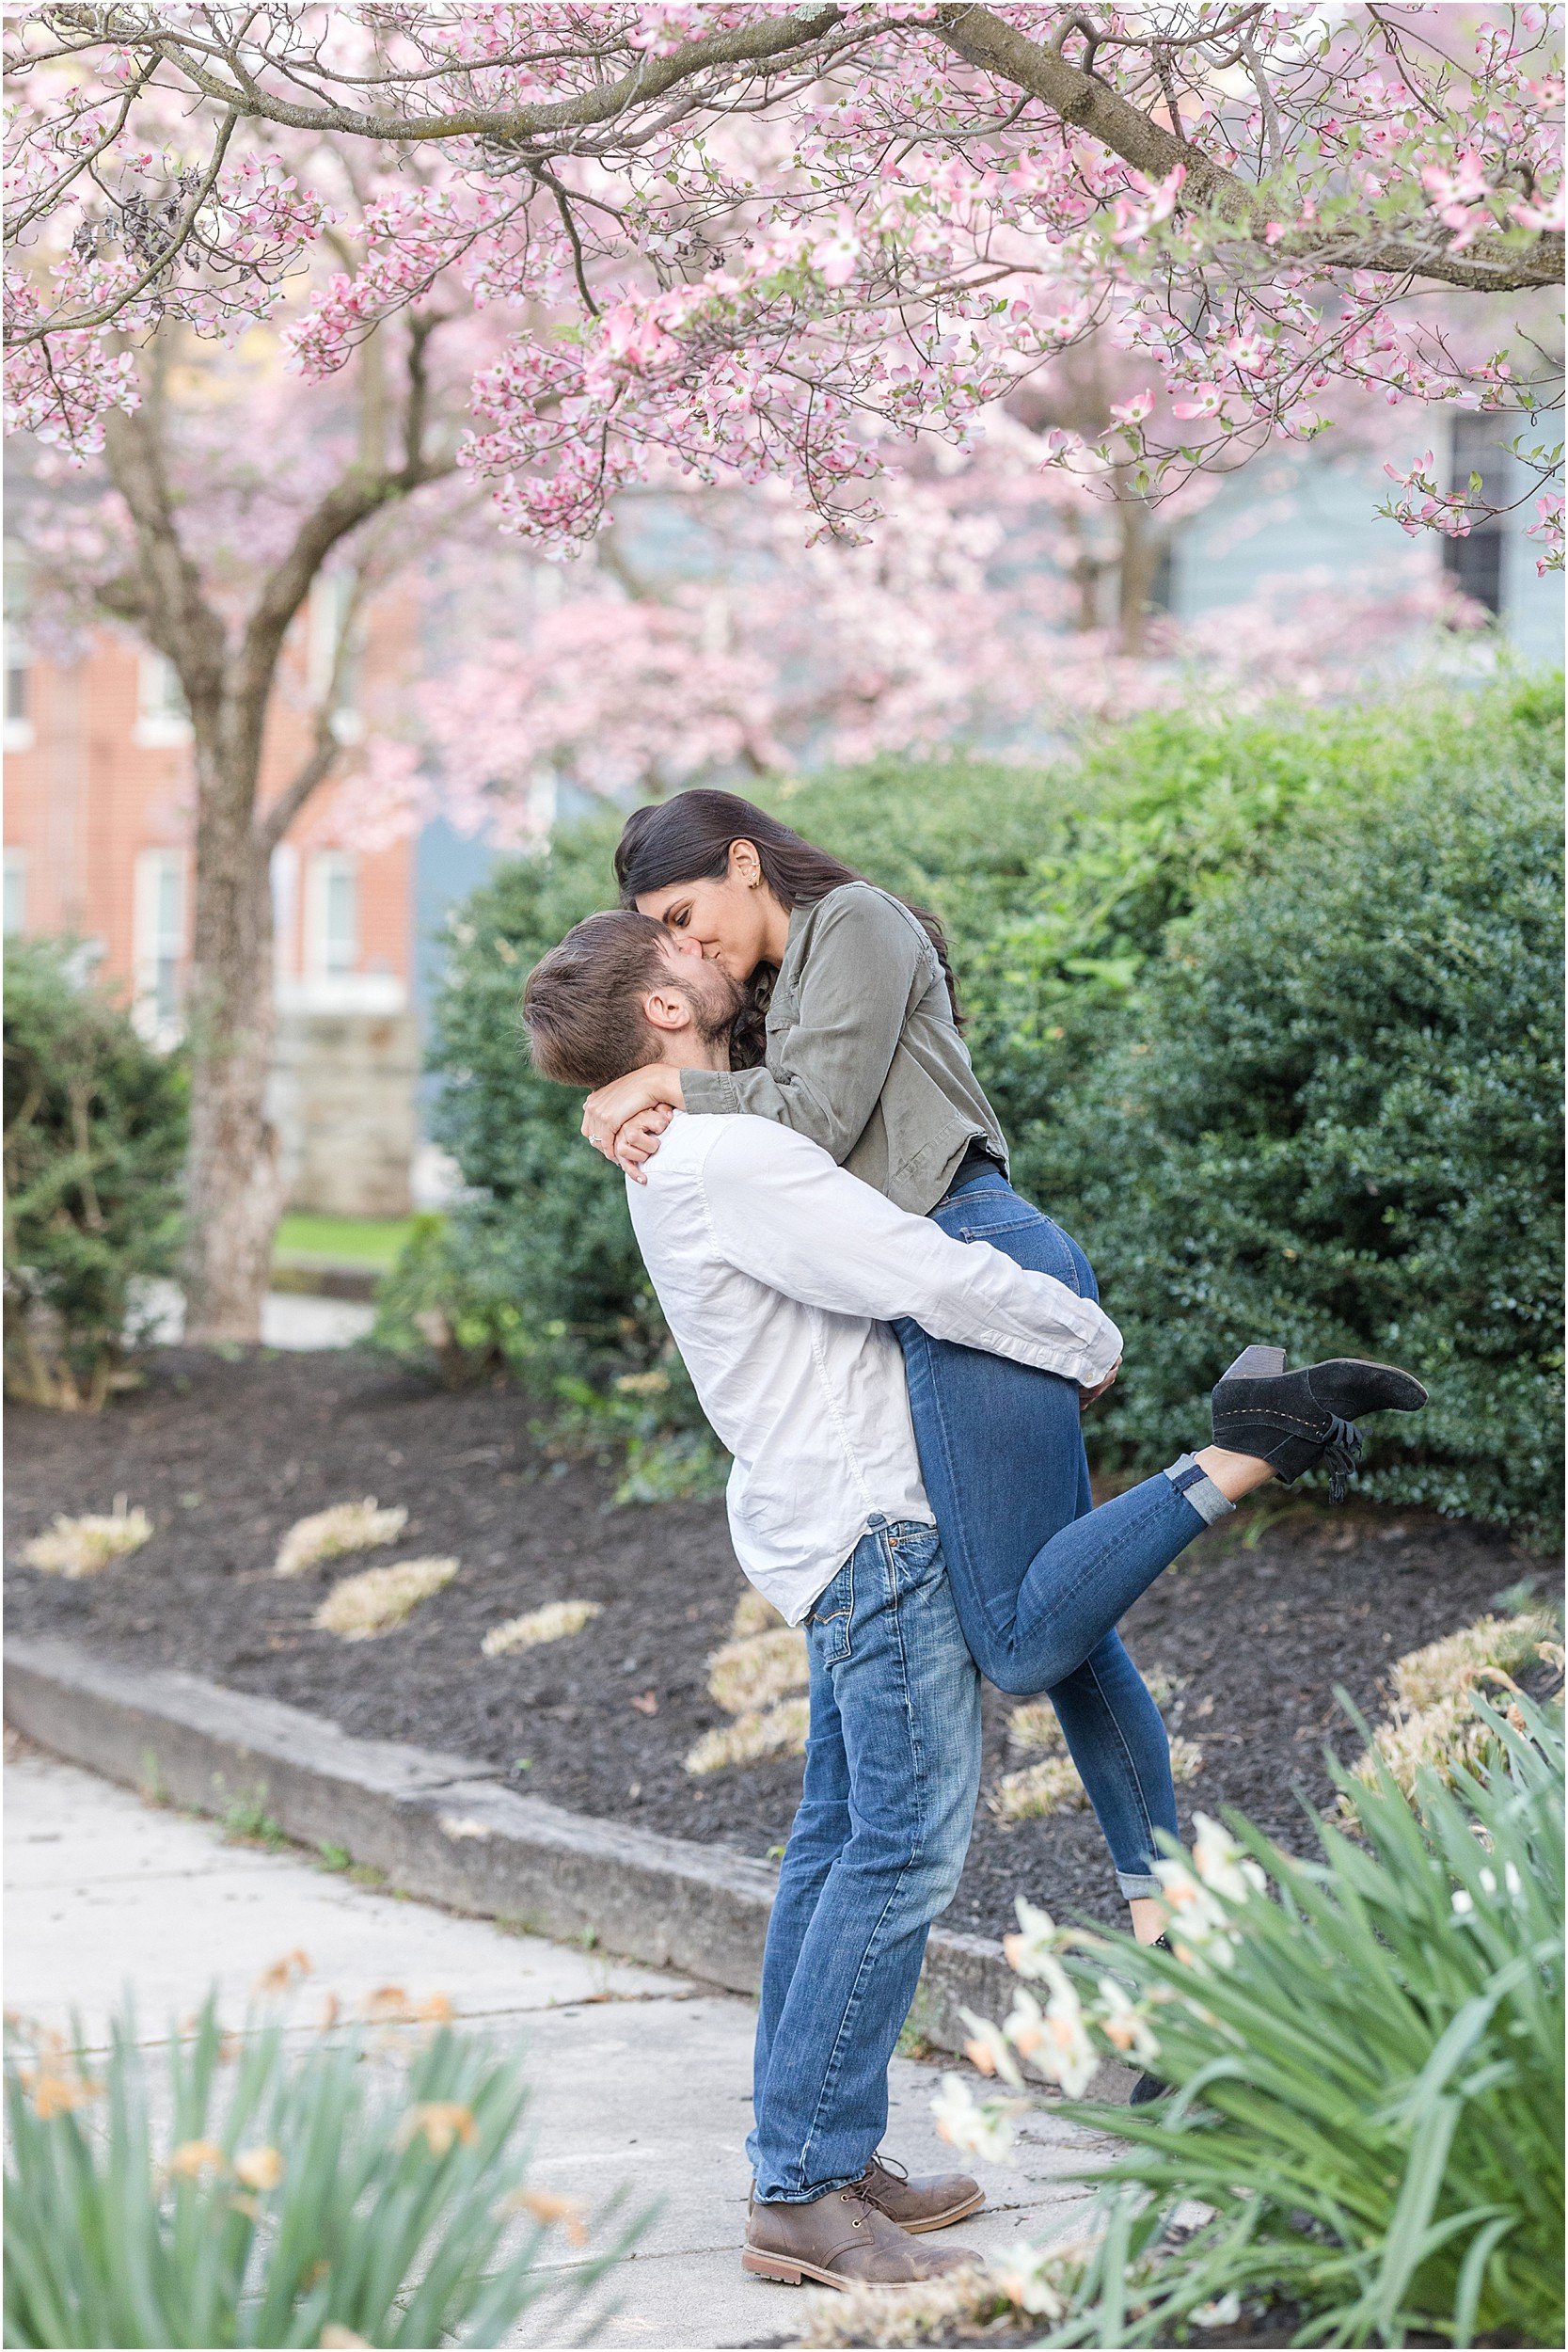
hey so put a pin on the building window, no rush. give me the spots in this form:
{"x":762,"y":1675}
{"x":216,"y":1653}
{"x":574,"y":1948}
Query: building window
{"x":332,"y":616}
{"x":284,"y":874}
{"x":18,"y":664}
{"x":19,"y":660}
{"x":332,"y":917}
{"x":159,"y":942}
{"x":19,"y":693}
{"x":16,"y":891}
{"x":163,"y":716}
{"x":1475,"y":563}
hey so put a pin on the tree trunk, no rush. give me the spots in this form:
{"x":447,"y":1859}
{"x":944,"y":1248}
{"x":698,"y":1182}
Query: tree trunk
{"x":236,"y":1184}
{"x":1136,"y":573}
{"x":234,"y":1193}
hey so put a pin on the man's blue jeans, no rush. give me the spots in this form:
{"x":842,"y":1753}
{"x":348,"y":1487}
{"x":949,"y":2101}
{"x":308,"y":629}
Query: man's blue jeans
{"x":892,"y":1770}
{"x":1040,"y":1577}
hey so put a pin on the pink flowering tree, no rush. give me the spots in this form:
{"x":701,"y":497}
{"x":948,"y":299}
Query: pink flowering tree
{"x":997,"y":606}
{"x":772,"y":240}
{"x":727,"y":247}
{"x":209,"y":500}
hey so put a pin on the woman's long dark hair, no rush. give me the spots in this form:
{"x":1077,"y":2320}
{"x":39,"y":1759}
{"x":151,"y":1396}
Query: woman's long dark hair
{"x":688,"y":839}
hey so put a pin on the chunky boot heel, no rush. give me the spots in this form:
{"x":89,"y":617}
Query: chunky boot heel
{"x":1295,"y":1421}
{"x":766,"y":2267}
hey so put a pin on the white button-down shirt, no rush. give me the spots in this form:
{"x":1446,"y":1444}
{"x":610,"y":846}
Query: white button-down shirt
{"x":778,"y":1274}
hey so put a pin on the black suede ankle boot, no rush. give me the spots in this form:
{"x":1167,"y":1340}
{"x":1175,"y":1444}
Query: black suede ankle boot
{"x":1295,"y":1420}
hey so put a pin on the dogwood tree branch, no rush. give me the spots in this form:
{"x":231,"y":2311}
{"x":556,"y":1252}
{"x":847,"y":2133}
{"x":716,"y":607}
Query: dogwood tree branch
{"x":1487,"y":265}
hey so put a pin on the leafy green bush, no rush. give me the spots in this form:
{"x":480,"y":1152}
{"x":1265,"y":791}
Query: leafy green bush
{"x":1332,"y":1119}
{"x":1366,"y":2058}
{"x":539,"y":1267}
{"x":1064,"y":890}
{"x":94,"y":1141}
{"x":298,"y":2199}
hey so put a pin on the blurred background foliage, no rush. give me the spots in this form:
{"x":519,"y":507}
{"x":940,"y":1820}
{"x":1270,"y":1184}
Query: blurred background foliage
{"x":1268,"y":1006}
{"x":95,"y":1127}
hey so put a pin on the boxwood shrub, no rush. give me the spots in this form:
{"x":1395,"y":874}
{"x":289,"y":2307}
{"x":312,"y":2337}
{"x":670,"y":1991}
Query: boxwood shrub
{"x":94,"y":1142}
{"x":1332,"y":1120}
{"x":1204,"y":984}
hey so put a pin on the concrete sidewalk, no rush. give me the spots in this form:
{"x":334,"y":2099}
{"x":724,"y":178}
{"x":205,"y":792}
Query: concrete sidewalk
{"x":643,"y":2078}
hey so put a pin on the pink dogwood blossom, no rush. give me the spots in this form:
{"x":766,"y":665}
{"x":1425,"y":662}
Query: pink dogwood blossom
{"x":749,"y":242}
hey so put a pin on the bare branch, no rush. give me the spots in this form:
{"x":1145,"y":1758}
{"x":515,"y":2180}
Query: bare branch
{"x":102,"y":312}
{"x":758,"y":44}
{"x":170,"y":599}
{"x":360,"y":492}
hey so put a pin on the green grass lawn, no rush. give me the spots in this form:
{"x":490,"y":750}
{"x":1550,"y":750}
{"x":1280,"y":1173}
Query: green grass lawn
{"x":355,"y":1240}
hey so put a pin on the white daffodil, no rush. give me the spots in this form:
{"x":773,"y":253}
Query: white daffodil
{"x":974,"y":2129}
{"x":1037,"y":1939}
{"x":1220,"y":1863}
{"x":1069,"y":2056}
{"x":1124,"y":2024}
{"x":987,"y":2049}
{"x":1199,"y":1926}
{"x":1027,"y":2278}
{"x":1224,"y":2312}
{"x":1065,"y":2054}
{"x":1463,"y":1903}
{"x":1025,"y":2023}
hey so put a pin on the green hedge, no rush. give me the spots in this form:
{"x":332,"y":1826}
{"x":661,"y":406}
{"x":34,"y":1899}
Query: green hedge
{"x":95,"y":1141}
{"x":1221,"y":975}
{"x":1334,"y":1120}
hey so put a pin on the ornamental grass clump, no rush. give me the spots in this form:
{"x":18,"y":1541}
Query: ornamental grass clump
{"x":240,"y":2191}
{"x":1035,"y":1791}
{"x":378,"y":1599}
{"x":951,"y":2309}
{"x":1365,"y":2055}
{"x":754,"y":1614}
{"x":749,"y":1675}
{"x":87,"y":1545}
{"x":328,"y":1534}
{"x":1433,"y":1726}
{"x":750,"y":1678}
{"x":1051,"y":1786}
{"x":753,"y":1738}
{"x":554,"y":1622}
{"x":1492,"y":1644}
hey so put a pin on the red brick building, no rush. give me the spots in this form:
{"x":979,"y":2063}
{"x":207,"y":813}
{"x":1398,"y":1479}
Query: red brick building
{"x":98,"y":826}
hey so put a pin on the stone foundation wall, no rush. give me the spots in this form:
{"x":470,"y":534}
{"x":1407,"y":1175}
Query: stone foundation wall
{"x":342,"y":1101}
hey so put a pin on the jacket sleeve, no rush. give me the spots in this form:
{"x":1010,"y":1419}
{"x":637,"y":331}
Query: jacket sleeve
{"x":777,"y":1209}
{"x":858,"y":983}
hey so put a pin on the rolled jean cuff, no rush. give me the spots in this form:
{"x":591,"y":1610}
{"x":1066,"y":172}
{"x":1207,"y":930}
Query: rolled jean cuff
{"x":1196,"y":1486}
{"x":808,"y":2195}
{"x":1137,"y":1886}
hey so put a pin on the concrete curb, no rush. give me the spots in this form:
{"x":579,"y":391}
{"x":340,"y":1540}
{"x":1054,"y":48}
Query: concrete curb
{"x":439,"y":1827}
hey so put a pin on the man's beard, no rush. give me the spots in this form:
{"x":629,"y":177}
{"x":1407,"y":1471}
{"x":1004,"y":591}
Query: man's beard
{"x":715,"y":1005}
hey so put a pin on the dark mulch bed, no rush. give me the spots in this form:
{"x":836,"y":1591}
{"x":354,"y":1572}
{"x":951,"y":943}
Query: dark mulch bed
{"x":226,"y":1453}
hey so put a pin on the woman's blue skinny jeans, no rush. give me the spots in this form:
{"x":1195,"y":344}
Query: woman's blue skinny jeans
{"x":1040,"y":1577}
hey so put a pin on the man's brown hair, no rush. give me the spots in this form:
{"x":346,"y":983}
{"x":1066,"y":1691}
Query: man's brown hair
{"x":582,"y":1005}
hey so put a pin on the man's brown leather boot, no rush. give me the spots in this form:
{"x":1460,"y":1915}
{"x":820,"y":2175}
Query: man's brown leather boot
{"x":841,"y":2240}
{"x":931,"y":2201}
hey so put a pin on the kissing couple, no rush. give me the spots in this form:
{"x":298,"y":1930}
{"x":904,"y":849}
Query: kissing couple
{"x":897,"y":1350}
